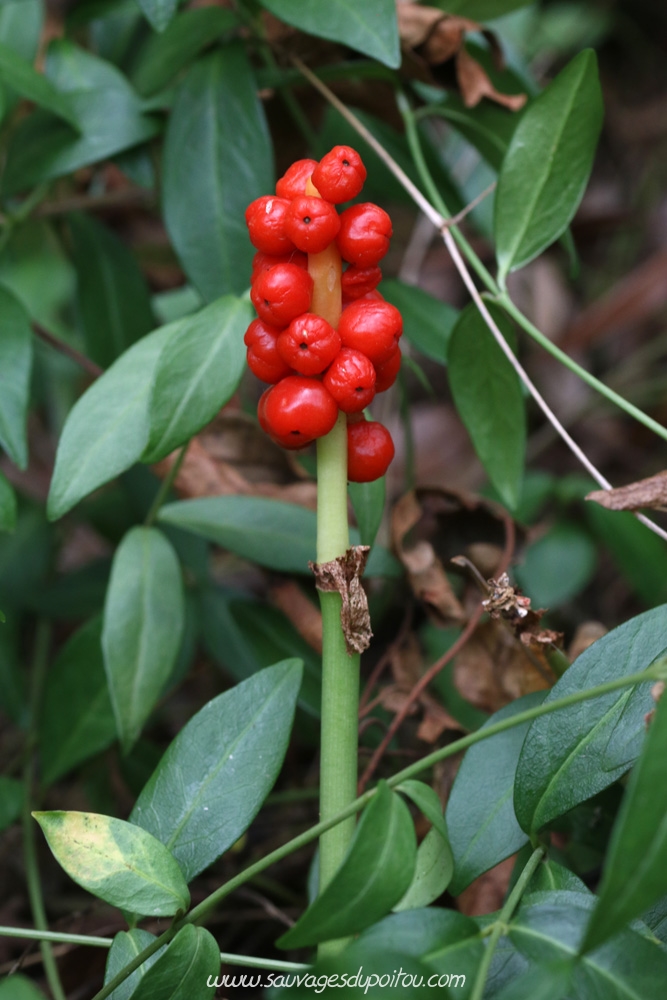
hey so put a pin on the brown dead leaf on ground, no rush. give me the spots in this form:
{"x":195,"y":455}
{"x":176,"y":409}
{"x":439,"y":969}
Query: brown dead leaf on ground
{"x":487,"y":892}
{"x":585,"y":635}
{"x":493,"y":668}
{"x":431,"y":37}
{"x":289,"y":598}
{"x":406,"y":668}
{"x":651,"y":492}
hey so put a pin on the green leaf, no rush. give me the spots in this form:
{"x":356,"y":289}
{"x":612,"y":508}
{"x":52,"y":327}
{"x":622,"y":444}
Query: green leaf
{"x":158,"y":13}
{"x":567,"y":756}
{"x":8,"y":505}
{"x":183,"y":970}
{"x":116,"y":861}
{"x":549,"y":928}
{"x":482,"y":827}
{"x":426,"y":799}
{"x":126,"y":946}
{"x":143,"y":626}
{"x":15,"y":368}
{"x":112,"y":295}
{"x":369,"y":27}
{"x":21,"y":24}
{"x":420,"y":932}
{"x":368,"y":500}
{"x":108,"y":112}
{"x":107,"y":430}
{"x":26,"y":81}
{"x":165,"y":55}
{"x":214,"y":777}
{"x":373,"y":876}
{"x":427,"y":322}
{"x":638,"y":553}
{"x":217,"y":159}
{"x":19,"y":988}
{"x":557,"y":566}
{"x":197,"y":373}
{"x":635,"y":872}
{"x":11,"y":800}
{"x":547,"y":165}
{"x":279,"y":535}
{"x":488,"y":397}
{"x":433,"y":872}
{"x":542,"y":982}
{"x":245,"y":635}
{"x":77,"y":719}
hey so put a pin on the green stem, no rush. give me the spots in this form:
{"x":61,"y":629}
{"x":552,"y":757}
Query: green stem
{"x":633,"y":411}
{"x":38,"y":675}
{"x":165,"y":486}
{"x":340,"y":671}
{"x":57,"y":937}
{"x":500,"y":925}
{"x":654,"y":673}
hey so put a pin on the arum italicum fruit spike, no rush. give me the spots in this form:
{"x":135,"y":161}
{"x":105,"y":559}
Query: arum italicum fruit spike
{"x":322,"y":375}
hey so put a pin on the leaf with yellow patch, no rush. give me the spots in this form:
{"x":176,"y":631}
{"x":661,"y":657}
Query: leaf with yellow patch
{"x":120,"y":863}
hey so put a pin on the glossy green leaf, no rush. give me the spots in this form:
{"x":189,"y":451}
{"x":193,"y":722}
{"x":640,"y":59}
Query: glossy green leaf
{"x":427,"y":322}
{"x":143,"y":627}
{"x":549,"y":928}
{"x":159,"y":13}
{"x":198,"y":372}
{"x":8,"y":506}
{"x":112,"y":295}
{"x":108,"y":112}
{"x":164,"y":55}
{"x":547,"y":165}
{"x":426,"y":799}
{"x":245,"y":635}
{"x":126,"y":946}
{"x":566,"y":756}
{"x":557,"y":565}
{"x":483,"y":829}
{"x":550,"y":875}
{"x":433,"y":872}
{"x":116,"y":861}
{"x":368,"y":501}
{"x":11,"y":800}
{"x":19,"y":987}
{"x":635,"y":873}
{"x":15,"y":367}
{"x":419,"y":932}
{"x":279,"y":535}
{"x":639,"y":554}
{"x":373,"y":876}
{"x":21,"y":24}
{"x":26,"y":81}
{"x":77,"y":719}
{"x":217,"y":159}
{"x":369,"y":27}
{"x":107,"y":430}
{"x":214,"y":777}
{"x":488,"y":397}
{"x":541,"y":982}
{"x":183,"y":970}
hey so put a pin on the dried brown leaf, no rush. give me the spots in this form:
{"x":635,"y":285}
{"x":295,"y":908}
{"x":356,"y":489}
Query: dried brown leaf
{"x":288,"y":596}
{"x":585,"y":635}
{"x":475,"y":84}
{"x":508,"y":603}
{"x":344,"y":576}
{"x":651,"y":492}
{"x":487,"y":892}
{"x":493,"y":668}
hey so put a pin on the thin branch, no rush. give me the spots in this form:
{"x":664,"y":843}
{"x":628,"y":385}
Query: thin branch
{"x":123,"y":198}
{"x":443,"y":224}
{"x":77,"y":357}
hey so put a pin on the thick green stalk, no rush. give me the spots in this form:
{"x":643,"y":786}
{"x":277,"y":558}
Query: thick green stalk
{"x":500,"y":925}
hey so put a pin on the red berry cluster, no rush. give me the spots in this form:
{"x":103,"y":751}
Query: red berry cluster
{"x":314,"y":369}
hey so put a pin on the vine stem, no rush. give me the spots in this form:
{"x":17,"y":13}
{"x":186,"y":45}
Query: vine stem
{"x":656,"y":672}
{"x":500,"y":925}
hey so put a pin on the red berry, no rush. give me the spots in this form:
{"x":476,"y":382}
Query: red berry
{"x":282,"y":293}
{"x":309,"y":344}
{"x":263,"y":261}
{"x":370,"y":450}
{"x":351,"y":380}
{"x":265,"y":218}
{"x":293,"y":182}
{"x":340,"y":175}
{"x":365,"y":231}
{"x":371,"y":327}
{"x":387,"y":373}
{"x":358,"y":281}
{"x":264,"y":361}
{"x":298,"y":410}
{"x":311,"y":223}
